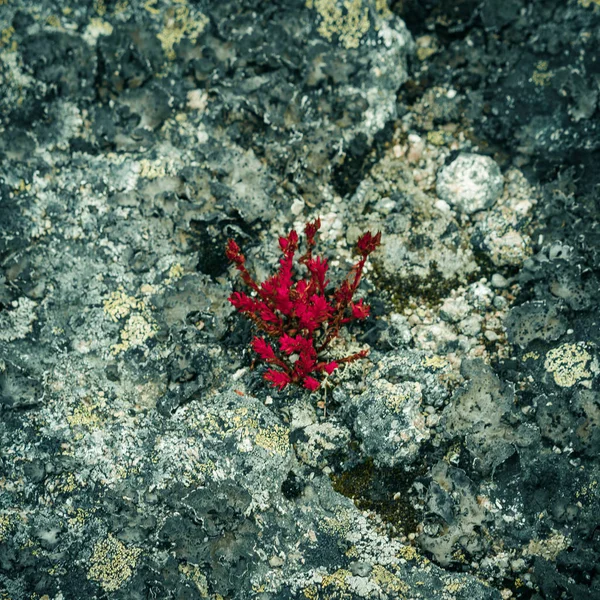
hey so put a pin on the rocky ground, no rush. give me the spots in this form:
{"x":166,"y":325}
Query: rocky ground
{"x":142,"y":454}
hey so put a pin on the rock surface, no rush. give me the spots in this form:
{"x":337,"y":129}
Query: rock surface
{"x":142,"y":453}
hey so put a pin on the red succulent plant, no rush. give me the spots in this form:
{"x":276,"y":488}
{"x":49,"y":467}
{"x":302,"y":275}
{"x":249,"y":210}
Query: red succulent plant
{"x":295,"y":308}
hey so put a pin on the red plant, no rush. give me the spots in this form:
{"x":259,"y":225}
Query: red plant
{"x":299,"y":312}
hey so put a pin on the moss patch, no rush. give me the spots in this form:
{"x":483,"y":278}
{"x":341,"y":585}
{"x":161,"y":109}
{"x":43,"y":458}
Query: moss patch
{"x":383,"y":491}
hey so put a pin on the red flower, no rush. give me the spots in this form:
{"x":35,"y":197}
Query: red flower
{"x":360,"y":310}
{"x":278,"y":378}
{"x":300,"y":313}
{"x":367,"y":243}
{"x":233,"y":252}
{"x":330,"y":367}
{"x":264,"y":350}
{"x":311,"y":383}
{"x":242,"y":302}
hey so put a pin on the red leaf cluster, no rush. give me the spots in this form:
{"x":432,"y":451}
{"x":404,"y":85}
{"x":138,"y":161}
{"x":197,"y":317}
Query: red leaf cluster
{"x":297,"y":311}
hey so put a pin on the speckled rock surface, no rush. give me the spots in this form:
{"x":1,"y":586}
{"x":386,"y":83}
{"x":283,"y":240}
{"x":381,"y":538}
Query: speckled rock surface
{"x":142,"y":455}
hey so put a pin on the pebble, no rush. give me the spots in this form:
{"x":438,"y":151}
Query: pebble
{"x":499,"y":281}
{"x":472,"y":182}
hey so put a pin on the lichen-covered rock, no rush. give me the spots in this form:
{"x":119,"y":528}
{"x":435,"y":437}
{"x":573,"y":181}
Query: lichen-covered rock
{"x":142,"y":454}
{"x":389,"y":417}
{"x":471,"y":182}
{"x":482,"y":411}
{"x":389,"y":422}
{"x":452,"y":516}
{"x":535,"y":321}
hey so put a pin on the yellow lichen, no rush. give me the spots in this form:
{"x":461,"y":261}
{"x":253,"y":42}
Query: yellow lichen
{"x":438,"y":137}
{"x":409,"y":553}
{"x":311,"y":592}
{"x":150,"y":6}
{"x":568,"y":364}
{"x":434,"y":362}
{"x":389,"y":582}
{"x":112,"y":563}
{"x":53,"y":21}
{"x":86,"y":415}
{"x":339,"y":525}
{"x":66,"y":484}
{"x":275,"y":439}
{"x":6,"y":525}
{"x":383,"y":10}
{"x":541,"y":76}
{"x":119,"y":305}
{"x":398,"y":394}
{"x":139,"y":326}
{"x":155,"y":169}
{"x":100,"y":7}
{"x":425,"y":53}
{"x":197,"y":577}
{"x":79,"y":518}
{"x":549,"y":548}
{"x":5,"y":36}
{"x":175,"y":273}
{"x":347,"y":19}
{"x":530,"y":355}
{"x":136,"y":332}
{"x":179,"y":24}
{"x":455,"y":586}
{"x":337,"y":579}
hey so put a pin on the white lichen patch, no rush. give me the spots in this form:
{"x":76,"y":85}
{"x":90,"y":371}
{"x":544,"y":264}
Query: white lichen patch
{"x":183,"y":460}
{"x":96,"y":28}
{"x":17,"y":323}
{"x":112,"y":563}
{"x":568,"y":364}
